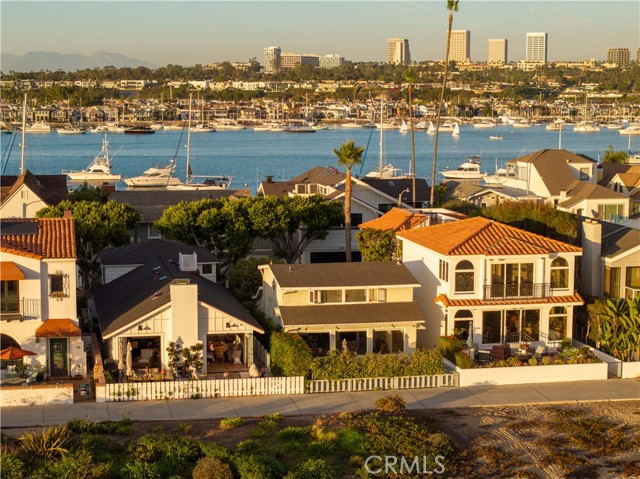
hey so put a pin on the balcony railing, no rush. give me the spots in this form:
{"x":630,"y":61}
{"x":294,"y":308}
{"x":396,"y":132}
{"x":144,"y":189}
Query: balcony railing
{"x":631,"y":293}
{"x":516,"y":291}
{"x":25,"y":308}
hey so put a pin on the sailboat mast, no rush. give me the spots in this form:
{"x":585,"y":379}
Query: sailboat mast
{"x":24,"y":130}
{"x":381,"y":136}
{"x":189,"y":138}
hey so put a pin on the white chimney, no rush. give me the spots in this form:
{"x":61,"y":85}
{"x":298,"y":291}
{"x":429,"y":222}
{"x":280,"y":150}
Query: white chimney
{"x":591,"y":258}
{"x":188,"y":262}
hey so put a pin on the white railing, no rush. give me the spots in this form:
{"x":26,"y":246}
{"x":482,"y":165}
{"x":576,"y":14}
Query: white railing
{"x":209,"y":388}
{"x":376,"y":384}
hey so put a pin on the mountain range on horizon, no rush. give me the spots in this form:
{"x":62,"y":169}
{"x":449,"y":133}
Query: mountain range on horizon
{"x":53,"y":61}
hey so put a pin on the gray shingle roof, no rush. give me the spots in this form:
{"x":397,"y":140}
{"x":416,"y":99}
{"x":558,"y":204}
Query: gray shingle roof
{"x":330,"y":314}
{"x":147,"y":288}
{"x":327,"y":275}
{"x":143,"y":252}
{"x":52,"y":189}
{"x":394,"y":186}
{"x":593,"y":191}
{"x":617,"y":239}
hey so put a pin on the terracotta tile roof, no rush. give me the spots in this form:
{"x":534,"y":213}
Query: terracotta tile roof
{"x":330,"y":314}
{"x":52,"y":189}
{"x":52,"y":238}
{"x":395,"y":220}
{"x":446,"y":302}
{"x":329,"y":275}
{"x":481,"y":236}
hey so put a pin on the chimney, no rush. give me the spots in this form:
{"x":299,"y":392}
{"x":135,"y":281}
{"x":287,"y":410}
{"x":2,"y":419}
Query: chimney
{"x":563,"y":195}
{"x":67,"y":214}
{"x":591,"y":263}
{"x":269,"y":179}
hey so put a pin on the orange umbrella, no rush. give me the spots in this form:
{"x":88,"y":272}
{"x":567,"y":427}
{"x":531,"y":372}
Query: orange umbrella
{"x":12,"y":353}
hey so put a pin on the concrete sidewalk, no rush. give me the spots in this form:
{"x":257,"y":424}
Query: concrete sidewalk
{"x":190,"y":409}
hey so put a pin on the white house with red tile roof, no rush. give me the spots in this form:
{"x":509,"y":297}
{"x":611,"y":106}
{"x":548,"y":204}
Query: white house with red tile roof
{"x":500,"y":283}
{"x":38,"y":280}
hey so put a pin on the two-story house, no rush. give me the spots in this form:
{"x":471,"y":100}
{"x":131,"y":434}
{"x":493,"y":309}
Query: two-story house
{"x":354,"y":306}
{"x":22,"y":196}
{"x":495,"y":282}
{"x":38,"y":283}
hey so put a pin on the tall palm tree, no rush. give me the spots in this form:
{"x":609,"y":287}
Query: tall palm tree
{"x":348,"y":155}
{"x":409,"y":77}
{"x":452,"y":6}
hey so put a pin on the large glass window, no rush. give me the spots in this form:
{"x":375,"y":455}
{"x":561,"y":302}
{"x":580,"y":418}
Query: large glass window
{"x":318,"y":342}
{"x":531,"y":323}
{"x":558,"y":323}
{"x":633,"y":277}
{"x":355,"y":296}
{"x":388,"y":342}
{"x":331,"y":296}
{"x":559,"y":274}
{"x":611,"y":282}
{"x":464,"y":277}
{"x":610,"y":212}
{"x":10,"y":298}
{"x":491,"y":323}
{"x":353,"y":341}
{"x":512,"y":280}
{"x":463,"y":324}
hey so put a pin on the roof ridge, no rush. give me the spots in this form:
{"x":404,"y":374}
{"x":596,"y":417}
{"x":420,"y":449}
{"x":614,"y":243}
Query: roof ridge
{"x":488,"y":223}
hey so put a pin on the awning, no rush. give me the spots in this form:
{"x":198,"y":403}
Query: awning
{"x":9,"y":271}
{"x":58,"y":328}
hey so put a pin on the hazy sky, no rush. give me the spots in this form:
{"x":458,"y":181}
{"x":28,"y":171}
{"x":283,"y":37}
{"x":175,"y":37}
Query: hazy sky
{"x":186,"y":33}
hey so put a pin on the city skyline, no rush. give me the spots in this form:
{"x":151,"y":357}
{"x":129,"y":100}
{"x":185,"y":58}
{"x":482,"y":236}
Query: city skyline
{"x":188,"y":33}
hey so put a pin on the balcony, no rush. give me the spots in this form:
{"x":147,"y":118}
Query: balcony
{"x":25,"y":308}
{"x":631,"y":293}
{"x":517,"y":291}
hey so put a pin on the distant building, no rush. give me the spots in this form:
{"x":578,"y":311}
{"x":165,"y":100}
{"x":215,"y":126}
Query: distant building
{"x":292,"y":60}
{"x":619,"y":56}
{"x":638,"y":55}
{"x":332,"y":60}
{"x":398,"y":51}
{"x":460,"y":45}
{"x":536,"y":50}
{"x":272,"y":59}
{"x":497,"y":51}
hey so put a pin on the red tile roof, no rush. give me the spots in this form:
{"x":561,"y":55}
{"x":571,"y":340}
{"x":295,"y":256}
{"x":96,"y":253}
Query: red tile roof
{"x":446,"y":302}
{"x":481,"y":236}
{"x":55,"y":238}
{"x":395,"y":219}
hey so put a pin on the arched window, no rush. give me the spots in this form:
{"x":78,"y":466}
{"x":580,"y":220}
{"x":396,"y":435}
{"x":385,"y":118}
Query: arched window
{"x":559,"y":274}
{"x":557,"y":323}
{"x":463,"y":324}
{"x":464,"y":277}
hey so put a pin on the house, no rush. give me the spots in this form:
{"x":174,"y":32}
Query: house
{"x":398,"y":219}
{"x":626,"y":180}
{"x":152,"y":203}
{"x":22,"y":196}
{"x":594,"y":201}
{"x":496,"y":283}
{"x":116,"y":262}
{"x":611,"y":260}
{"x":166,"y":301}
{"x":344,"y":305}
{"x":38,"y":306}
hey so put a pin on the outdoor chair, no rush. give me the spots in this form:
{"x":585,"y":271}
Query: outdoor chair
{"x":541,"y":350}
{"x":219,"y":353}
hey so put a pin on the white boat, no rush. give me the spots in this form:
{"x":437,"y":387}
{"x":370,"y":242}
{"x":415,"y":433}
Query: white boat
{"x":630,"y":130}
{"x":71,"y":130}
{"x":614,"y":126}
{"x":115,"y":129}
{"x":386,"y":173}
{"x":403,"y":128}
{"x":156,"y":176}
{"x":203,"y":129}
{"x":556,"y":125}
{"x":173,"y":127}
{"x":585,"y":127}
{"x":350,"y":125}
{"x":99,"y":129}
{"x":39,"y":127}
{"x":496,"y":137}
{"x":456,"y":131}
{"x":300,"y":129}
{"x":497,"y":179}
{"x":521,"y":124}
{"x":484,"y":124}
{"x":469,"y":170}
{"x":446,"y":127}
{"x":98,"y":170}
{"x":156,"y":126}
{"x":263,"y":127}
{"x":277,"y":128}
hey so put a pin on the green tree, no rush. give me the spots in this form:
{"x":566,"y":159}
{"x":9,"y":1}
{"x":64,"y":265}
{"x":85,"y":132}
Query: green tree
{"x":452,"y":6}
{"x":349,"y":155}
{"x":612,"y":156}
{"x":290,"y":354}
{"x":98,"y":225}
{"x":245,"y":278}
{"x":376,"y":245}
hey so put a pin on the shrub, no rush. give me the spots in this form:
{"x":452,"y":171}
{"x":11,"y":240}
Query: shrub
{"x":351,"y":441}
{"x":533,"y":362}
{"x":212,"y":449}
{"x":11,"y":466}
{"x":547,"y":360}
{"x":51,"y":442}
{"x":513,"y":361}
{"x":98,"y":445}
{"x":248,"y":446}
{"x":462,"y":360}
{"x":140,"y":470}
{"x":290,"y":354}
{"x":76,"y":465}
{"x":391,"y":404}
{"x":312,"y":469}
{"x":294,"y":433}
{"x":501,"y":364}
{"x":258,"y":467}
{"x":276,"y":416}
{"x":232,"y":422}
{"x":184,"y":427}
{"x":324,"y":448}
{"x":425,"y":362}
{"x":211,"y":468}
{"x":449,"y":346}
{"x":82,"y":425}
{"x":171,"y":452}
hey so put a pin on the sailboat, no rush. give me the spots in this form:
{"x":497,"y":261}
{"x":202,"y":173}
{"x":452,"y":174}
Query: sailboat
{"x":403,"y":127}
{"x":586,"y":126}
{"x":210,"y":182}
{"x":98,"y":170}
{"x":386,"y":171}
{"x":202,"y":127}
{"x":70,"y":129}
{"x":456,"y":130}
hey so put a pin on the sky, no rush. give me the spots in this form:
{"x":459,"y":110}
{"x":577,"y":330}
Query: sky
{"x":187,"y":33}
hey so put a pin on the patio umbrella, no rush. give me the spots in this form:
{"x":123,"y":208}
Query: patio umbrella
{"x":12,"y":353}
{"x":120,"y":356}
{"x":129,"y":360}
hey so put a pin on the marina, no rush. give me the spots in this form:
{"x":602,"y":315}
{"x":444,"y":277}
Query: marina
{"x":249,"y":156}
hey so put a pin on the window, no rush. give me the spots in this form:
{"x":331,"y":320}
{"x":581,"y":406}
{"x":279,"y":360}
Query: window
{"x":10,"y":302}
{"x":377,"y":295}
{"x":318,"y":342}
{"x":153,"y":232}
{"x":632,"y":281}
{"x":584,"y":174}
{"x":464,"y":277}
{"x":353,"y":341}
{"x":511,"y":280}
{"x":611,"y":282}
{"x":385,"y":342}
{"x":559,"y":274}
{"x":384,"y":207}
{"x":610,"y":212}
{"x":444,"y":271}
{"x":326,"y":296}
{"x":558,"y":323}
{"x":463,"y":324}
{"x":355,"y":296}
{"x":59,"y":285}
{"x":356,"y":219}
{"x":531,"y":323}
{"x":207,"y":268}
{"x":491,"y":322}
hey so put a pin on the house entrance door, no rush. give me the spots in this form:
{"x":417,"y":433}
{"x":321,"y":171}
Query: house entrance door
{"x":58,"y":363}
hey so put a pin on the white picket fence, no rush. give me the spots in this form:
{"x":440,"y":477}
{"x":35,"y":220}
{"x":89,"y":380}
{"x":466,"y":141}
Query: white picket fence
{"x":379,"y":384}
{"x":210,"y":388}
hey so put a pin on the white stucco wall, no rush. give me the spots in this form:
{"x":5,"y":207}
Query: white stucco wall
{"x":36,"y":395}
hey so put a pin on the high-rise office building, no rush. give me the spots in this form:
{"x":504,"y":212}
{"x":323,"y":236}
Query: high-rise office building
{"x":497,"y":51}
{"x":292,"y":60}
{"x":398,"y":51}
{"x":638,"y":55}
{"x":272,"y":59}
{"x":537,"y":47}
{"x":333,"y":60}
{"x":620,"y":56}
{"x":460,"y":47}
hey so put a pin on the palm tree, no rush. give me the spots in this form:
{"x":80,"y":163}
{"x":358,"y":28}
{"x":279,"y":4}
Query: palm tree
{"x":409,"y":77}
{"x":348,"y":155}
{"x":452,"y":6}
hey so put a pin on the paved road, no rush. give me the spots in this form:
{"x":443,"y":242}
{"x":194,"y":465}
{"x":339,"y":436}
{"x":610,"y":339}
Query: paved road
{"x":190,"y":409}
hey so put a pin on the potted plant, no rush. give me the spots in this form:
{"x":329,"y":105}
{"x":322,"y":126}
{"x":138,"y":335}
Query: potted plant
{"x":524,"y":347}
{"x":20,"y":369}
